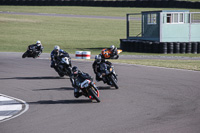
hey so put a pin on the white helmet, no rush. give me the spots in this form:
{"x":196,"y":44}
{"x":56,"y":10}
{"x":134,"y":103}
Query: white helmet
{"x":38,"y":43}
{"x":112,"y":47}
{"x":56,"y":48}
{"x":98,"y":58}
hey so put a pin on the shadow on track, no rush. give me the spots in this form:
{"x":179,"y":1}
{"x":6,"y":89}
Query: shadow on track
{"x":74,"y":101}
{"x":105,"y":88}
{"x":57,"y":89}
{"x":34,"y":78}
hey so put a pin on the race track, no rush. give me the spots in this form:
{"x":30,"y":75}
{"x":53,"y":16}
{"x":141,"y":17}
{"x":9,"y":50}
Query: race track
{"x":149,"y":99}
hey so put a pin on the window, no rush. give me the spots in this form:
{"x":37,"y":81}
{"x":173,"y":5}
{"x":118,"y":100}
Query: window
{"x":181,"y":18}
{"x":175,"y":18}
{"x":152,"y":18}
{"x":169,"y":18}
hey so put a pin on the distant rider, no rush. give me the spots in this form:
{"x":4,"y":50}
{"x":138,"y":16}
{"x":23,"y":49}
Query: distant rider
{"x":55,"y":55}
{"x":96,"y":66}
{"x":114,"y":53}
{"x":38,"y":46}
{"x":77,"y":78}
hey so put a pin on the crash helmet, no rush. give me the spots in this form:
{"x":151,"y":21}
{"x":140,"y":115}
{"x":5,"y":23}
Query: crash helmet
{"x":38,"y":43}
{"x":75,"y":71}
{"x":112,"y":47}
{"x":98,"y":58}
{"x":56,"y":48}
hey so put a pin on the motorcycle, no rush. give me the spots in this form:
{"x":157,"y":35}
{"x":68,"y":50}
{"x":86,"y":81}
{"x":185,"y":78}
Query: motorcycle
{"x":31,"y":52}
{"x":106,"y":54}
{"x":63,"y":65}
{"x":90,"y":90}
{"x":108,"y":75}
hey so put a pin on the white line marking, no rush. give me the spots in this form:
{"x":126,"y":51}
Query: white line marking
{"x":9,"y":105}
{"x":5,"y":117}
{"x":5,"y":99}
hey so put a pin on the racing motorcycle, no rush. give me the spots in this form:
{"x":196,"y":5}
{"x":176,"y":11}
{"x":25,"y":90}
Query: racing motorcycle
{"x":108,"y":75}
{"x":63,"y":65}
{"x":106,"y":54}
{"x":90,"y":90}
{"x":31,"y":52}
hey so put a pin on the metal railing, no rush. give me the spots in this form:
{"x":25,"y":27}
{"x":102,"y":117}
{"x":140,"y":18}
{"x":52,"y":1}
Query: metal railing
{"x":134,"y":25}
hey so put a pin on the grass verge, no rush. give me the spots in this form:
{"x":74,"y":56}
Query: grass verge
{"x":177,"y":64}
{"x":72,"y":34}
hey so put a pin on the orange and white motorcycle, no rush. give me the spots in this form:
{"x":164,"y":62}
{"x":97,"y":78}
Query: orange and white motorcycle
{"x":107,"y":54}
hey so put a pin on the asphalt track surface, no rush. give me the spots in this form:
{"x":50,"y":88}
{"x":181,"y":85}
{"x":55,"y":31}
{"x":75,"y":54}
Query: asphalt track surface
{"x":149,"y":99}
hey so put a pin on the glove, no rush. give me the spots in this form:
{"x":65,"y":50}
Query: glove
{"x":52,"y":64}
{"x":99,"y":75}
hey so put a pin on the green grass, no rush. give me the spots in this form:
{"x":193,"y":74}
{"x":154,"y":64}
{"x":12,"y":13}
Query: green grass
{"x":97,"y":11}
{"x":179,"y":64}
{"x":72,"y":34}
{"x":18,"y":31}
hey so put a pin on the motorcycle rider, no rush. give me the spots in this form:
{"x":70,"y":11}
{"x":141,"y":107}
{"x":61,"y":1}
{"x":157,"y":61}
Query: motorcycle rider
{"x":96,"y":66}
{"x":56,"y":53}
{"x":77,"y":78}
{"x":114,"y":53}
{"x":38,"y":46}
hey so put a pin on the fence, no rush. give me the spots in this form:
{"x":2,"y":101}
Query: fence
{"x":134,"y":25}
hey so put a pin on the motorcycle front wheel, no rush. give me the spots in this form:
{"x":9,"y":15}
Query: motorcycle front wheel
{"x":113,"y":80}
{"x":93,"y":93}
{"x":25,"y":55}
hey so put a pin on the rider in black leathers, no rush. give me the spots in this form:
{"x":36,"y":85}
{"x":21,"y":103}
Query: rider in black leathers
{"x":77,"y":78}
{"x":38,"y":46}
{"x":55,"y":54}
{"x":96,"y":66}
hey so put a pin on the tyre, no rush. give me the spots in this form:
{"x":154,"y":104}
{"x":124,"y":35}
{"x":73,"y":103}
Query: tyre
{"x":61,"y":75}
{"x":93,"y":93}
{"x":24,"y":55}
{"x":114,"y":81}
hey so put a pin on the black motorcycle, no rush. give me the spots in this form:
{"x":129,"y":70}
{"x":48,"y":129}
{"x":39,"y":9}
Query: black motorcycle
{"x":63,"y":65}
{"x":108,"y":75}
{"x":31,"y":52}
{"x":90,"y":90}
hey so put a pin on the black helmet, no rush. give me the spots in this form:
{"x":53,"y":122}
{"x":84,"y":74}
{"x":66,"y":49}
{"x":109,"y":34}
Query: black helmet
{"x":75,"y":71}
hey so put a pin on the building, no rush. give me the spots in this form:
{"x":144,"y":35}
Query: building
{"x":174,"y":27}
